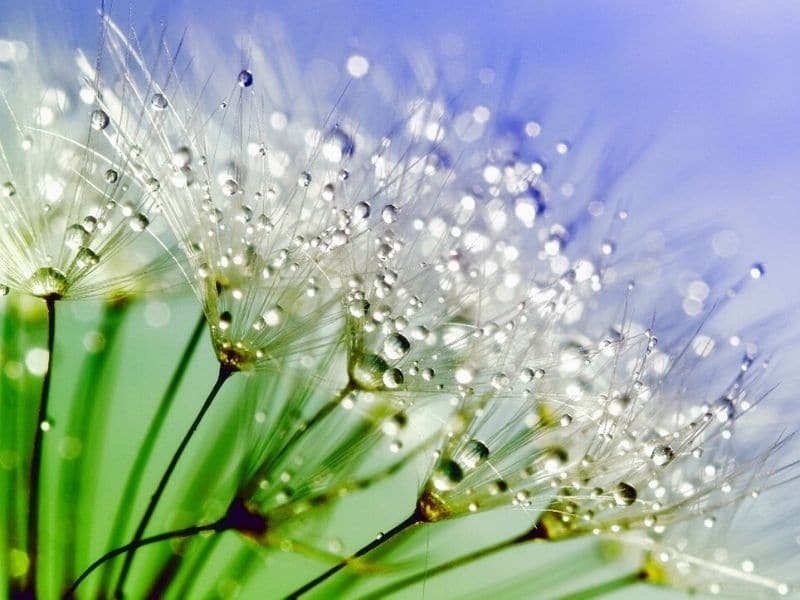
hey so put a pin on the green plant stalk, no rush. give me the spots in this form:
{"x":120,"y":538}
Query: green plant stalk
{"x":216,"y":526}
{"x":606,"y":587}
{"x":199,"y":559}
{"x":85,"y":417}
{"x":34,"y":487}
{"x":217,"y":455}
{"x":131,"y":488}
{"x":224,"y":373}
{"x":8,"y":445}
{"x":411,"y":521}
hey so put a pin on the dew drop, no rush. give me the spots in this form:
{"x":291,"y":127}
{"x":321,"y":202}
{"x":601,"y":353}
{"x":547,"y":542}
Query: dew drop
{"x":245,"y":78}
{"x":361,"y":210}
{"x":661,"y":455}
{"x":229,"y":187}
{"x":48,"y":282}
{"x":99,"y":120}
{"x":86,"y":258}
{"x":472,"y":454}
{"x":367,"y":372}
{"x":394,"y":424}
{"x":464,"y":376}
{"x":8,"y":189}
{"x":138,"y":222}
{"x":304,"y":180}
{"x":159,"y":102}
{"x":4,"y":290}
{"x":76,"y":236}
{"x":392,"y":378}
{"x":554,"y":459}
{"x":396,"y":346}
{"x":624,"y":494}
{"x":225,"y":320}
{"x":273,"y":316}
{"x":111,"y":176}
{"x":182,"y":157}
{"x":757,"y":271}
{"x":389,"y":214}
{"x":447,"y":476}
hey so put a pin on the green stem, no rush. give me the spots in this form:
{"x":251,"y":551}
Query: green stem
{"x":216,"y":526}
{"x":410,"y":521}
{"x":606,"y":587}
{"x":224,"y":373}
{"x":396,"y":586}
{"x":83,"y":419}
{"x":131,"y":489}
{"x":34,"y":480}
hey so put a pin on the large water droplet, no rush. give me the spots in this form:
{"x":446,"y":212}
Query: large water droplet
{"x":392,"y":378}
{"x":624,"y":494}
{"x":396,"y":346}
{"x":48,"y":282}
{"x":661,"y":455}
{"x":100,"y":120}
{"x":159,"y":102}
{"x":245,"y":78}
{"x":472,"y":454}
{"x":447,"y":476}
{"x":367,"y":372}
{"x":8,"y":189}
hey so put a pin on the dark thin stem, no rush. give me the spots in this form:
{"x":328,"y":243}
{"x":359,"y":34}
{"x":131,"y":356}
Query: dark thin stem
{"x":606,"y":587}
{"x":412,"y":520}
{"x":224,"y":373}
{"x":386,"y":590}
{"x":216,"y":526}
{"x":131,"y":489}
{"x":34,"y":482}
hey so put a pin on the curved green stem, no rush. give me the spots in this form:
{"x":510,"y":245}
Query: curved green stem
{"x":606,"y":587}
{"x":410,"y":521}
{"x":216,"y":526}
{"x":131,"y":489}
{"x":224,"y":373}
{"x":396,"y":586}
{"x":34,"y":480}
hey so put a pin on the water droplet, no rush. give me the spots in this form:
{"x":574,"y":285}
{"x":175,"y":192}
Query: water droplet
{"x":661,"y":455}
{"x":86,"y":258}
{"x":757,"y":271}
{"x":554,"y":459}
{"x":272,"y":316}
{"x":464,"y":376}
{"x":500,"y":381}
{"x":367,"y":372}
{"x":396,"y":346}
{"x":4,"y":290}
{"x":76,"y":236}
{"x":361,"y":210}
{"x":159,"y":102}
{"x":229,"y":187}
{"x":245,"y":78}
{"x":447,"y":476}
{"x":111,"y":176}
{"x":48,"y":282}
{"x":225,"y":320}
{"x":304,"y":180}
{"x":182,"y":157}
{"x":392,"y":378}
{"x":99,"y":120}
{"x":138,"y":222}
{"x":389,"y":214}
{"x":624,"y":494}
{"x":8,"y":189}
{"x":472,"y":454}
{"x":394,"y":424}
{"x":526,"y":375}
